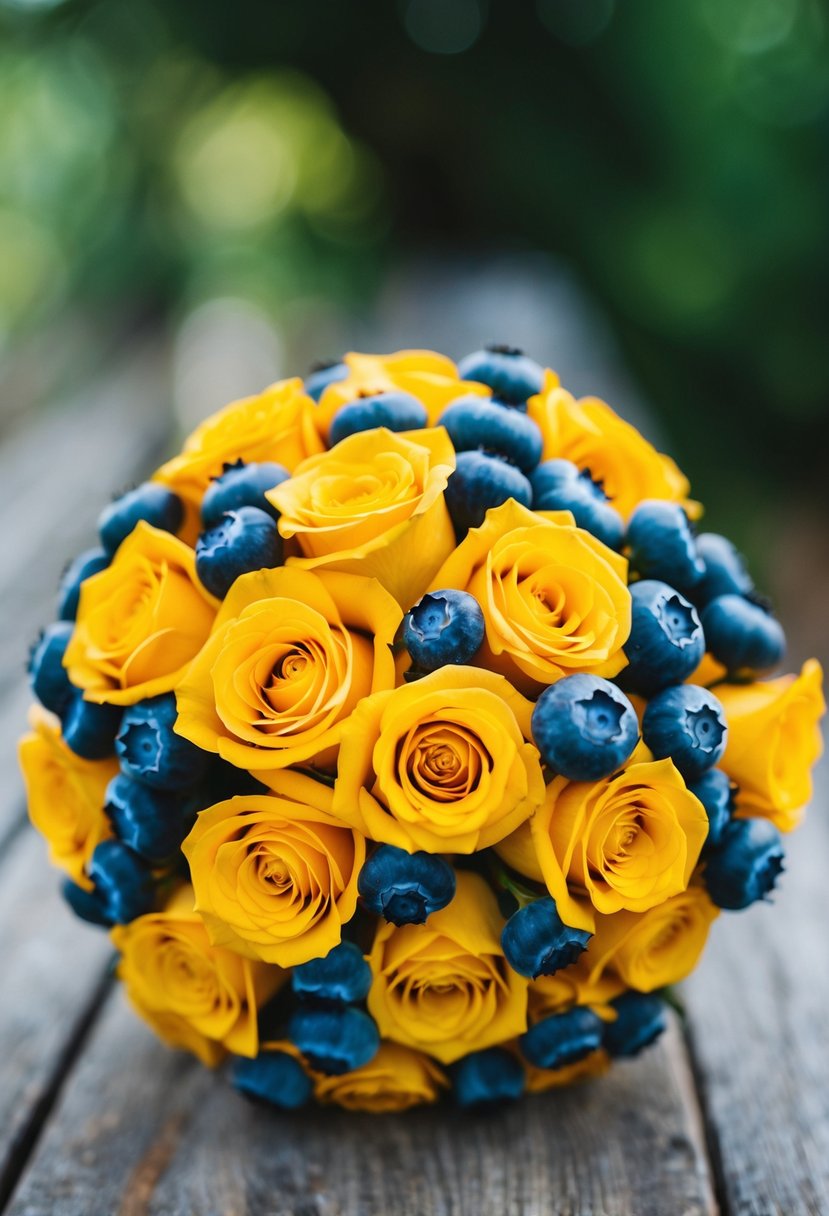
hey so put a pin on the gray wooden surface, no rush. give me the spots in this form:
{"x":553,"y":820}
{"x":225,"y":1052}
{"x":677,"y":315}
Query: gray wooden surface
{"x":730,"y":1113}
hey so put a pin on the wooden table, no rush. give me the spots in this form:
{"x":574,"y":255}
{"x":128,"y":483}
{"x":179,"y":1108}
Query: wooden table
{"x":729,"y":1113}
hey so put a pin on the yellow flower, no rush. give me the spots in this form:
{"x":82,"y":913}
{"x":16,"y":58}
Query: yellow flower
{"x":591,"y":435}
{"x":626,"y":842}
{"x":773,"y":742}
{"x":430,"y":377}
{"x":291,"y":655}
{"x":66,"y":795}
{"x":571,"y":986}
{"x":194,"y":995}
{"x":648,"y":950}
{"x":275,"y":876}
{"x":395,"y":1080}
{"x":441,"y":764}
{"x":539,"y":1080}
{"x":140,"y":622}
{"x":373,"y":505}
{"x":555,"y":599}
{"x":276,"y":425}
{"x":445,"y":987}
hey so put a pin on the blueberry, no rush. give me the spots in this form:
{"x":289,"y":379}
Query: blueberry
{"x":395,"y":410}
{"x":443,"y":627}
{"x":559,"y":485}
{"x":742,"y":635}
{"x":152,"y":822}
{"x":343,"y":976}
{"x":662,"y":545}
{"x":405,"y":888}
{"x":666,"y":642}
{"x":475,"y":424}
{"x":745,"y":865}
{"x":86,"y":905}
{"x":90,"y":562}
{"x":511,"y":374}
{"x":479,"y":482}
{"x":241,"y":485}
{"x":273,"y":1077}
{"x":487,"y":1078}
{"x":123,"y":882}
{"x":639,"y":1022}
{"x":151,"y":752}
{"x":242,"y":541}
{"x":89,"y":730}
{"x":151,"y":502}
{"x":686,"y":723}
{"x":49,"y":679}
{"x":715,"y":793}
{"x":563,"y":1038}
{"x":323,"y":374}
{"x":536,"y":941}
{"x":334,"y":1040}
{"x":725,"y":570}
{"x":584,"y":727}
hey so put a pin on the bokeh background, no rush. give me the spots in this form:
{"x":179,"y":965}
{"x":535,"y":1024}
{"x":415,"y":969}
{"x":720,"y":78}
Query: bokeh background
{"x":637,"y":193}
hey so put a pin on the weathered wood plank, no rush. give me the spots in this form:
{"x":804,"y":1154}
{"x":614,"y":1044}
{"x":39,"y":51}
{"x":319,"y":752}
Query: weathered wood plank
{"x":758,"y":1012}
{"x":142,"y":1130}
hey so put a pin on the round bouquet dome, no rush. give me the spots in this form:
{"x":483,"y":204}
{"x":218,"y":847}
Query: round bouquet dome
{"x":408,"y":735}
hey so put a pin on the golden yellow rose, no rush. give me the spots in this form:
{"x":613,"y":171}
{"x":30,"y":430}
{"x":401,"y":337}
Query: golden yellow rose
{"x":591,"y":435}
{"x":555,"y":600}
{"x":373,"y":505}
{"x":445,"y":987}
{"x":65,"y":795}
{"x":193,"y":994}
{"x":441,"y":764}
{"x":430,"y":377}
{"x":290,"y":657}
{"x":395,"y":1080}
{"x":275,"y":876}
{"x":625,"y":842}
{"x":773,"y":741}
{"x":571,"y":986}
{"x":539,"y":1080}
{"x":140,"y":621}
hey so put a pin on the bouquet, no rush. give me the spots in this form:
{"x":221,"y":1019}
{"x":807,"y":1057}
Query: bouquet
{"x":408,"y":736}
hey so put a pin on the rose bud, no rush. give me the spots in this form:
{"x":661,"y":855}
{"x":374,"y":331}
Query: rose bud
{"x":334,"y":1041}
{"x":584,"y":727}
{"x":662,"y":544}
{"x":477,"y":424}
{"x":90,"y":562}
{"x":244,"y":540}
{"x":745,"y":865}
{"x":152,"y":822}
{"x":89,"y":730}
{"x":323,"y":374}
{"x":443,"y":627}
{"x":563,"y":1038}
{"x":123,"y":883}
{"x":742,"y":635}
{"x":395,"y":410}
{"x":511,"y":374}
{"x":343,"y":976}
{"x":640,"y":1022}
{"x":405,"y":888}
{"x":717,"y":796}
{"x":725,"y":570}
{"x":151,"y":502}
{"x":686,"y":723}
{"x":666,"y":642}
{"x":537,"y":942}
{"x":487,"y":1078}
{"x":47,"y":674}
{"x":241,"y":485}
{"x":151,"y":751}
{"x":479,"y":482}
{"x":559,"y":485}
{"x":273,"y":1077}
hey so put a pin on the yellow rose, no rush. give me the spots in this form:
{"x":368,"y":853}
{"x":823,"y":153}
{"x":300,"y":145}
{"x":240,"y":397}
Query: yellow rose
{"x":430,"y":377}
{"x":140,"y":621}
{"x":373,"y":505}
{"x":290,"y":657}
{"x":65,"y":795}
{"x":648,"y":950}
{"x":275,"y":876}
{"x":571,"y":986}
{"x":395,"y":1080}
{"x":441,"y":764}
{"x":773,"y":742}
{"x":555,"y":600}
{"x":539,"y":1080}
{"x":194,"y":995}
{"x":276,"y":425}
{"x":625,"y":842}
{"x":445,"y":987}
{"x":591,"y":435}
